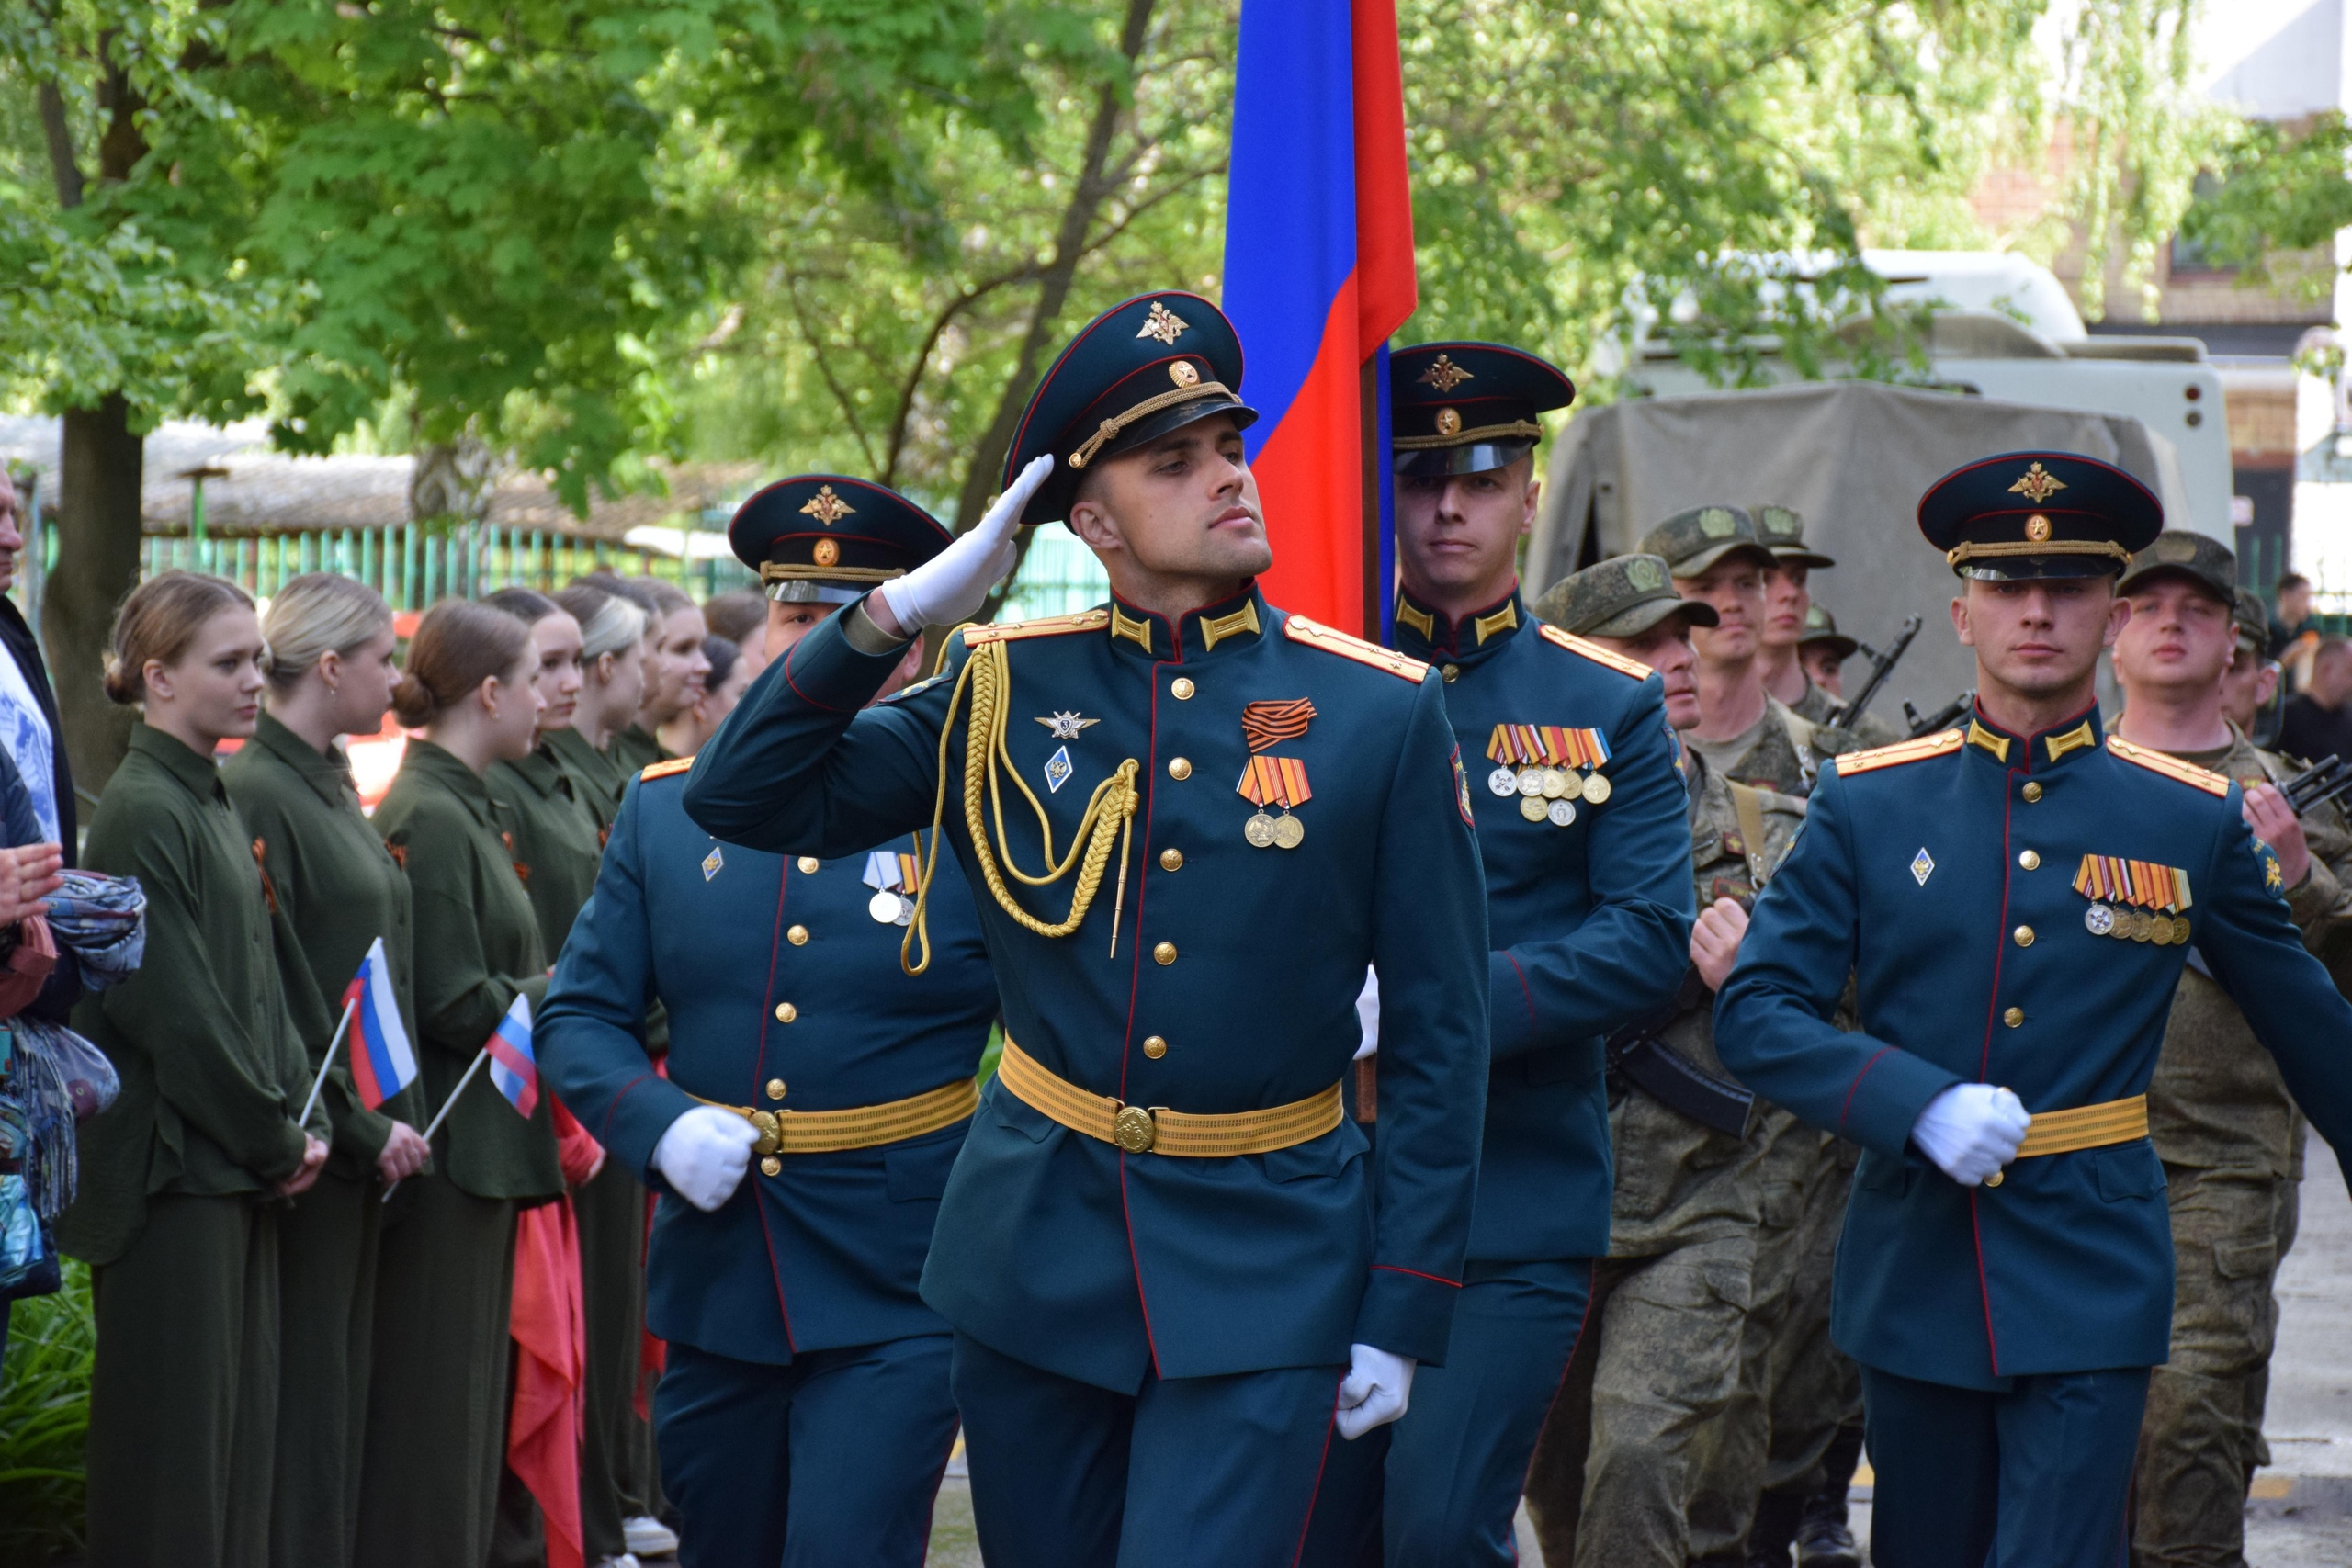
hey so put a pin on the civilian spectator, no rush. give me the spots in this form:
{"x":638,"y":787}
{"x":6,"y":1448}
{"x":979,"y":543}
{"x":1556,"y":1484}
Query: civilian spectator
{"x":2294,"y":634}
{"x":29,"y":728}
{"x":2319,"y":721}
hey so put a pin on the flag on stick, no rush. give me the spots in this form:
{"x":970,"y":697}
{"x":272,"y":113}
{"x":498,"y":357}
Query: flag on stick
{"x":382,"y":1063}
{"x":513,"y":1068}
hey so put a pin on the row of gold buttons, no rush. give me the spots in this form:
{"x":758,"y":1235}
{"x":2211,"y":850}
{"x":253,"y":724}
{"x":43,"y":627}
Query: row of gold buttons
{"x":1171,"y":859}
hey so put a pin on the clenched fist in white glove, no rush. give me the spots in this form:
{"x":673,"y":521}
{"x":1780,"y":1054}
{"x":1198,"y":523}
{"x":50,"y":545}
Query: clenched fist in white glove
{"x":1376,"y":1391}
{"x":948,"y":587}
{"x":704,"y":1154}
{"x":1971,"y":1131}
{"x":1368,"y":1015}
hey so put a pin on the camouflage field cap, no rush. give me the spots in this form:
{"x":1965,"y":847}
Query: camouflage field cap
{"x":2251,"y":619}
{"x":2209,"y":563}
{"x":1783,"y":530}
{"x":1622,"y":596}
{"x":1689,"y":542}
{"x":1821,"y":631}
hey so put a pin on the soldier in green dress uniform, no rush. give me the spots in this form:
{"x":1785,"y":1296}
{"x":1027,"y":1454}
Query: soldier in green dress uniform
{"x":2220,"y":1114}
{"x":175,"y":1214}
{"x":676,"y":667}
{"x":436,"y":1418}
{"x":612,"y":684}
{"x":335,"y":891}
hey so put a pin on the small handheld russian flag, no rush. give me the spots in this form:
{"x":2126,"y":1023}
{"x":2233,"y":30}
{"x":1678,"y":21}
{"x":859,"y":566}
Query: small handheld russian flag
{"x":382,"y":1063}
{"x":512,"y":1066}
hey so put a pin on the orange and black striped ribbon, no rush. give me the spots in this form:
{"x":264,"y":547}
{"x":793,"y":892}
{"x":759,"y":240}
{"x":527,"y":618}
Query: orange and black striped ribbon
{"x":1272,"y":722}
{"x":1555,"y":746}
{"x":2142,"y":883}
{"x":1274,"y":781}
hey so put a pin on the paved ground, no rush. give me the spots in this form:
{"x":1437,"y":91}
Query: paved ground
{"x":2301,"y":1513}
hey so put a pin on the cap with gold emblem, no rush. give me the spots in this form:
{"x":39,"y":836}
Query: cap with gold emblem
{"x":1465,"y":408}
{"x":1140,"y":369}
{"x":826,"y":538}
{"x":2212,"y":565}
{"x":2251,"y":620}
{"x":1689,"y":542}
{"x":1783,"y":530}
{"x":1622,"y":597}
{"x":2026,"y":514}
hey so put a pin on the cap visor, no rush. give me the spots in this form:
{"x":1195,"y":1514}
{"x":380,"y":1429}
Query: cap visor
{"x":1694,"y":565}
{"x":1476,"y":457}
{"x":1797,"y":554}
{"x":2134,"y":581}
{"x":2027,"y":569}
{"x":1839,"y":647}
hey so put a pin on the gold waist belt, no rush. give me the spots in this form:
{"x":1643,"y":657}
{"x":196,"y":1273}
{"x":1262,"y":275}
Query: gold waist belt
{"x":2085,"y":1127}
{"x":1157,"y":1129}
{"x":860,"y":1127}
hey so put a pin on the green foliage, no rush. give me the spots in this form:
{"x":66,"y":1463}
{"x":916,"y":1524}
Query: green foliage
{"x":44,"y":1412}
{"x":2281,"y":190}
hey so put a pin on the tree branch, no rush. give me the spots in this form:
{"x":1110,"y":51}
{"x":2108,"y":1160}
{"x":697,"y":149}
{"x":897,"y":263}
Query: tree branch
{"x":58,"y":134}
{"x":939,"y":325}
{"x":824,"y":369}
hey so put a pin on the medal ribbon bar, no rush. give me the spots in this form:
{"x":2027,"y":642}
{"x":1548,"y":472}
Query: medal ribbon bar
{"x":2113,"y":879}
{"x":1553,"y":745}
{"x":1274,"y":781}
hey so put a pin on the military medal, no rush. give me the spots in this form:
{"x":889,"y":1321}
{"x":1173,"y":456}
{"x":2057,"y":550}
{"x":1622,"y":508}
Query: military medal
{"x":2098,"y":920}
{"x":1539,"y":762}
{"x":2134,"y":900}
{"x":1260,"y":831}
{"x":1274,"y":781}
{"x":1289,"y":832}
{"x":893,"y":876}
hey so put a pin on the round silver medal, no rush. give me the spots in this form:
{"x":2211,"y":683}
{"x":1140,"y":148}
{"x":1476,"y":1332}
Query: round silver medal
{"x":884,"y":907}
{"x":1562,"y":813}
{"x":1531,"y":781}
{"x":2098,"y":920}
{"x":906,"y":916}
{"x":1503,"y":782}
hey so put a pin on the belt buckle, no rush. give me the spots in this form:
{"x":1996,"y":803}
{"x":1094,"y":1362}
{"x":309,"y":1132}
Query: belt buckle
{"x":770,"y":1131}
{"x":1133,"y":1130}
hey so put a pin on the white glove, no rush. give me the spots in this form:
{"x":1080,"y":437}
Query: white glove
{"x":1376,"y":1391}
{"x":704,"y":1154}
{"x":948,"y":587}
{"x":1971,"y":1131}
{"x":1368,"y":1015}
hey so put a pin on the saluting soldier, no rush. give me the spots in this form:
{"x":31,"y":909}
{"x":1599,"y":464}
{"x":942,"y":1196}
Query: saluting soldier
{"x":1580,"y":828}
{"x":1164,"y":1250}
{"x":2014,"y":902}
{"x":2220,"y":1114}
{"x":1612,"y":1479}
{"x":804,"y":1415}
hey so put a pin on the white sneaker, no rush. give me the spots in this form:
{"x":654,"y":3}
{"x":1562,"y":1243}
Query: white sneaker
{"x":649,"y":1537}
{"x":625,"y":1560}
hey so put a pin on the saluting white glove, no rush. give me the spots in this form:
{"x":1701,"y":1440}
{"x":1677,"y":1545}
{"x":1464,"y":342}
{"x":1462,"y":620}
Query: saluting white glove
{"x":1368,"y":1015}
{"x":705,"y":1154}
{"x":948,"y":587}
{"x":1971,"y":1131}
{"x":1376,"y":1391}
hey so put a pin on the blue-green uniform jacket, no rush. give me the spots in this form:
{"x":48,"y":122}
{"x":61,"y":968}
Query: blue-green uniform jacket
{"x":1947,"y":884}
{"x":1590,"y":921}
{"x":1054,"y":1247}
{"x":827,"y":1252}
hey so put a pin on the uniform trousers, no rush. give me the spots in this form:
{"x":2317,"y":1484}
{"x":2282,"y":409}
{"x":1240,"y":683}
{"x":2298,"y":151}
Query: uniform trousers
{"x":437,"y":1403}
{"x":1441,"y":1487}
{"x":327,"y":1246}
{"x":184,"y":1394}
{"x":2039,"y":1476}
{"x":1732,"y":1455}
{"x":1610,"y":1482}
{"x":1183,"y":1472}
{"x":611,"y":1214}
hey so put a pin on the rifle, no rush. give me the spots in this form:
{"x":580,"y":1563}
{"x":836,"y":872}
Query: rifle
{"x":1944,"y":718}
{"x":1672,"y":1079}
{"x":2324,"y":780}
{"x":1843,"y":715}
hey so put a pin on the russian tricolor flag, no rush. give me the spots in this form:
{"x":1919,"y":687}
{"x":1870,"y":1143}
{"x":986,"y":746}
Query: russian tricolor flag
{"x":381,"y":1062}
{"x":1318,"y":272}
{"x":512,"y":1066}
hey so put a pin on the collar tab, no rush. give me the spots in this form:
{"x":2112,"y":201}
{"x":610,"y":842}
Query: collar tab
{"x":1991,"y":740}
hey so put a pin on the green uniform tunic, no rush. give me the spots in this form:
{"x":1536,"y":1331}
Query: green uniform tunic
{"x":335,"y":890}
{"x":173,"y":1211}
{"x":436,"y":1420}
{"x":637,"y":749}
{"x":597,"y":775}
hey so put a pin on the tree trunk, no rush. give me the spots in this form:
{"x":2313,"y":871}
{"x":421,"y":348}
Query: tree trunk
{"x":97,"y":563}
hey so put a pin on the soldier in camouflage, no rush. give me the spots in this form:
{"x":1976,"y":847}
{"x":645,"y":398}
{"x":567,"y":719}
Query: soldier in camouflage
{"x":1788,"y":624}
{"x":1659,"y":1359}
{"x":1823,"y":650}
{"x":2220,"y":1114}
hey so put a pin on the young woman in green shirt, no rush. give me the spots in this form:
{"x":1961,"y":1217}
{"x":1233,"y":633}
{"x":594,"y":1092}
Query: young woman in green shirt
{"x":175,"y":1213}
{"x":612,"y":684}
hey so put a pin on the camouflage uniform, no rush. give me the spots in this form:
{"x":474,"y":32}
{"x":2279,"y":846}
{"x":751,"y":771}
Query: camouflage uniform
{"x":1613,"y":1475}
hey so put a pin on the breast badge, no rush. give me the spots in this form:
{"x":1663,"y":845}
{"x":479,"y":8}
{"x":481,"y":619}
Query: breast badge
{"x":2134,"y":900}
{"x":1923,"y":865}
{"x":711,"y":862}
{"x":1274,"y":781}
{"x":1058,"y":770}
{"x":1067,"y":725}
{"x":1538,"y":762}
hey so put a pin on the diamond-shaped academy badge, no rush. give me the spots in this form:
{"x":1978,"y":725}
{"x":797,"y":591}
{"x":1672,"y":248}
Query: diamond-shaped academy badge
{"x":1921,"y":864}
{"x":1058,"y":770}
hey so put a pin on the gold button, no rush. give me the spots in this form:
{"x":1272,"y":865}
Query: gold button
{"x":808,"y":865}
{"x":1164,"y":954}
{"x":797,"y":935}
{"x":775,"y":1089}
{"x":1451,"y":672}
{"x":1995,"y":1179}
{"x":1171,"y":860}
{"x":1155,"y":1048}
{"x":2032,"y":791}
{"x":2024,"y":935}
{"x":771,"y":1166}
{"x":2030,"y":861}
{"x":786,"y":1012}
{"x":1178,"y":768}
{"x":2014,"y":1017}
{"x":1180,"y":689}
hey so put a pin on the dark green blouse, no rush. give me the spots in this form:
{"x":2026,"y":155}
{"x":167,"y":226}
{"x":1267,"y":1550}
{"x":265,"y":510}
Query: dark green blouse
{"x":598,"y":775}
{"x":634,"y":750}
{"x":477,"y":947}
{"x":212,"y":1072}
{"x":337,"y":889}
{"x":557,"y":841}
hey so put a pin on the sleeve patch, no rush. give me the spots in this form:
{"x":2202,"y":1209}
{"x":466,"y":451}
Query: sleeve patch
{"x":2274,"y":878}
{"x":1594,"y":651}
{"x":1462,"y":792}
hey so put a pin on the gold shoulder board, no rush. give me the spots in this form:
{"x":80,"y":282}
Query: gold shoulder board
{"x":1594,"y":651}
{"x":2170,"y":767}
{"x":663,"y":769}
{"x":1940,"y":744}
{"x":1314,"y":634}
{"x":1046,"y":626}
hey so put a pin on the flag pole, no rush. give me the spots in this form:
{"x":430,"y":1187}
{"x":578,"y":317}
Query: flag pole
{"x":442,"y":1115}
{"x":321,"y":1081}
